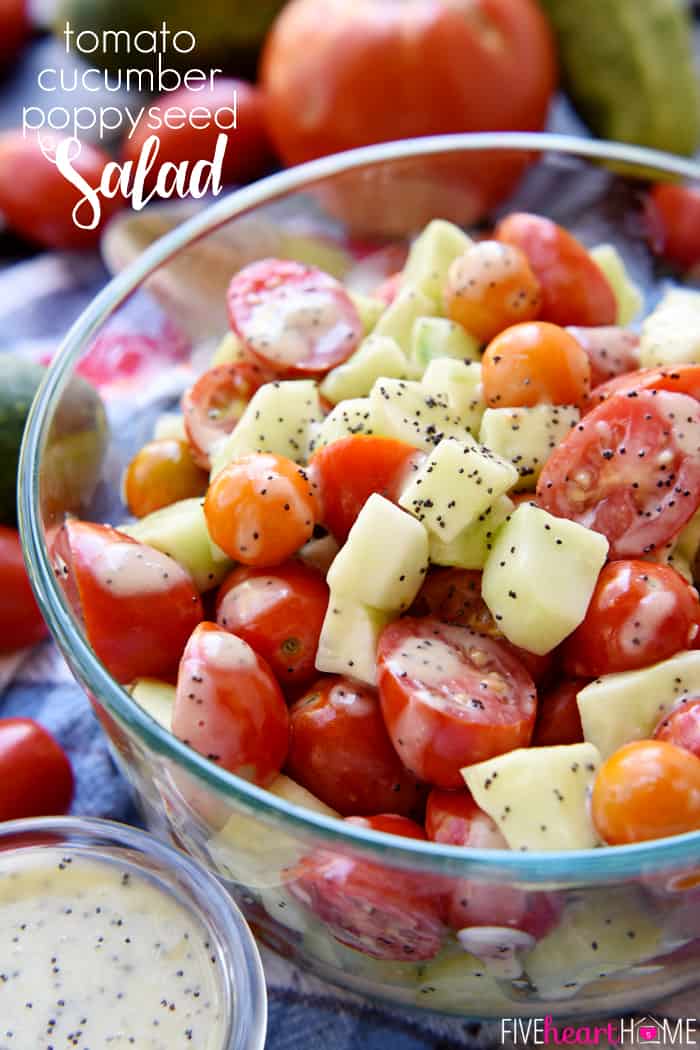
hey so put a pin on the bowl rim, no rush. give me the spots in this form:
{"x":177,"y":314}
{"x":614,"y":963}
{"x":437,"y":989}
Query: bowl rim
{"x":574,"y":867}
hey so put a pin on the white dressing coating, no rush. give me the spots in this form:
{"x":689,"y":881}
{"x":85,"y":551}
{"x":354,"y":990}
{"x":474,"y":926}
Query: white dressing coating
{"x":131,"y":569}
{"x":225,"y":651}
{"x":250,"y":598}
{"x":287,"y":325}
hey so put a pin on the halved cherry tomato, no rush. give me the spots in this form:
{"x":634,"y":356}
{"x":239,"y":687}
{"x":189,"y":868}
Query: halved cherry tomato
{"x":612,"y":350}
{"x":138,"y":606}
{"x":558,"y":717}
{"x":21,"y":622}
{"x":490,"y":287}
{"x":630,"y":469}
{"x":384,"y":912}
{"x":295,"y":319}
{"x":229,"y":707}
{"x":260,"y":509}
{"x":682,"y":726}
{"x":574,"y":288}
{"x":451,"y":697}
{"x":532,"y":363}
{"x":646,"y":790}
{"x":639,"y":613}
{"x":279,"y":613}
{"x":340,"y":750}
{"x":673,"y":216}
{"x":161,"y":473}
{"x":348,"y":471}
{"x":678,"y":379}
{"x":36,"y":779}
{"x":212,"y":407}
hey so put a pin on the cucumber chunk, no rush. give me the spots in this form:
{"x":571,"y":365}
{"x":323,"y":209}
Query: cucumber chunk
{"x":369,"y":309}
{"x":431,"y":255}
{"x":406,"y":411}
{"x":627,"y":295}
{"x":436,"y":337}
{"x":349,"y":637}
{"x":526,"y":437}
{"x":155,"y":697}
{"x":470,"y":548}
{"x":461,"y":382}
{"x":671,"y":332}
{"x":229,"y":350}
{"x":170,"y":425}
{"x":398,"y":319}
{"x":352,"y":416}
{"x":379,"y":355}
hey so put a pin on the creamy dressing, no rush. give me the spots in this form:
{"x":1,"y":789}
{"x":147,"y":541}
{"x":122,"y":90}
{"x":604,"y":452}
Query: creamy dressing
{"x":93,"y":956}
{"x":226,"y":652}
{"x":288,"y":326}
{"x":129,"y":569}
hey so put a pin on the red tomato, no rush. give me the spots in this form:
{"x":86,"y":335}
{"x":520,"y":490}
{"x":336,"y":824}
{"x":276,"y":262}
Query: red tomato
{"x":37,"y":201}
{"x":678,"y":379}
{"x":574,"y":289}
{"x":528,"y":364}
{"x":612,"y":350}
{"x":558,"y":717}
{"x":389,"y":288}
{"x":673,"y":214}
{"x":387,"y":913}
{"x":161,"y":473}
{"x":187,"y":135}
{"x":295,"y":319}
{"x":489,"y":287}
{"x":138,"y":606}
{"x":682,"y":726}
{"x":340,"y":750}
{"x":21,"y":623}
{"x":451,"y":697}
{"x":14,"y":28}
{"x":36,"y":779}
{"x":640,"y":613}
{"x":348,"y":471}
{"x":229,"y":707}
{"x":279,"y":613}
{"x":214,"y":404}
{"x":630,"y":469}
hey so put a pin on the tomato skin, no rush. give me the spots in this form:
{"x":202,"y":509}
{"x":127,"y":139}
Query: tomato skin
{"x":473,"y":700}
{"x":383,"y":912}
{"x":678,"y":379}
{"x":558,"y":717}
{"x":341,"y":752}
{"x":348,"y":471}
{"x":36,"y":779}
{"x":535,"y":362}
{"x":389,"y":288}
{"x":161,"y":473}
{"x":673,"y":214}
{"x":612,"y":350}
{"x":15,"y":28}
{"x":137,"y":631}
{"x":682,"y":725}
{"x":279,"y":613}
{"x":214,"y":404}
{"x":21,"y":622}
{"x":574,"y":289}
{"x":640,"y":613}
{"x":490,"y":287}
{"x":646,"y":790}
{"x":248,"y":151}
{"x":229,"y":706}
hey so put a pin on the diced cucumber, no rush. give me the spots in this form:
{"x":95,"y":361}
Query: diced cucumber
{"x":352,"y":416}
{"x":369,"y":309}
{"x":435,"y":337}
{"x":461,"y":382}
{"x":155,"y":697}
{"x":431,"y":255}
{"x":277,"y":419}
{"x":688,"y":541}
{"x":401,"y":977}
{"x":384,"y":559}
{"x":539,"y":577}
{"x":470,"y":548}
{"x":180,"y":530}
{"x":319,"y":554}
{"x":627,"y":295}
{"x":458,"y":983}
{"x":378,"y":355}
{"x":404,"y":410}
{"x":229,"y":350}
{"x":170,"y":425}
{"x":349,"y":637}
{"x":398,"y":319}
{"x":456,"y":483}
{"x":539,"y":796}
{"x":527,"y":436}
{"x":619,"y":708}
{"x":671,"y":332}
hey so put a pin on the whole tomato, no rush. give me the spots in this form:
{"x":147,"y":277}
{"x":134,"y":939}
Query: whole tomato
{"x":14,"y":28}
{"x":36,"y":778}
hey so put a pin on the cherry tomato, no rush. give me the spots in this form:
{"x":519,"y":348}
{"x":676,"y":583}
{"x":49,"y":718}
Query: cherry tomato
{"x":191,"y":131}
{"x":612,"y":350}
{"x":212,"y":407}
{"x":279,"y":613}
{"x":451,"y":697}
{"x":387,"y":913}
{"x":682,"y":725}
{"x":260,"y":509}
{"x":673,"y":214}
{"x":138,"y":606}
{"x":229,"y":707}
{"x":490,"y":287}
{"x":558,"y":717}
{"x":14,"y":29}
{"x":36,"y":779}
{"x":574,"y":288}
{"x":646,"y":790}
{"x":630,"y":469}
{"x":295,"y":319}
{"x":678,"y":379}
{"x":389,"y":288}
{"x":351,"y":469}
{"x":37,"y":201}
{"x":161,"y":473}
{"x":532,"y":363}
{"x":21,"y":622}
{"x":640,"y":613}
{"x":340,"y":750}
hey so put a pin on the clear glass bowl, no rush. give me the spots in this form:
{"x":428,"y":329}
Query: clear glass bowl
{"x":631,"y":932}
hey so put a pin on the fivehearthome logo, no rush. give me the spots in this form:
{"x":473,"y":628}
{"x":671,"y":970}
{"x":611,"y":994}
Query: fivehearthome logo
{"x":626,"y":1032}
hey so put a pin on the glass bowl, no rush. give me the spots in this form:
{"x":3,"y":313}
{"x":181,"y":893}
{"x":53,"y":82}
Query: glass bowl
{"x":630,"y":934}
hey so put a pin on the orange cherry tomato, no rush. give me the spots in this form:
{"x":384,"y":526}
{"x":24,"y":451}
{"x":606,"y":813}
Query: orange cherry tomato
{"x":532,"y":363}
{"x":490,"y":287}
{"x":558,"y":717}
{"x":673,"y":214}
{"x":646,"y":790}
{"x":161,"y":473}
{"x":260,"y":509}
{"x":682,"y":725}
